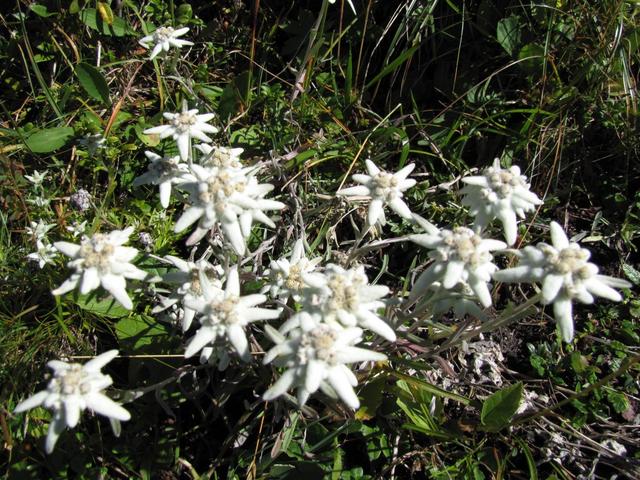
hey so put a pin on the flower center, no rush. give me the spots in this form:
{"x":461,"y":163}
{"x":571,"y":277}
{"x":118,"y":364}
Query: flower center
{"x":97,"y":252}
{"x":294,"y":280}
{"x":462,"y":244}
{"x":183,"y":122}
{"x":70,"y":381}
{"x":194,"y":284}
{"x":225,"y":311}
{"x":571,"y":260}
{"x":502,"y":182}
{"x":163,"y":34}
{"x":318,"y":343}
{"x":164,"y":167}
{"x":222,"y":158}
{"x":385,"y":185}
{"x":344,"y":294}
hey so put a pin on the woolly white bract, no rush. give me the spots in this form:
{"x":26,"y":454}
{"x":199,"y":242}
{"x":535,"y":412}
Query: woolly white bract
{"x":225,"y":314}
{"x":184,"y":126}
{"x":500,"y":193}
{"x":460,"y":256}
{"x":565,"y":274}
{"x":74,"y":388}
{"x":101,"y":260}
{"x":163,"y":38}
{"x":314,"y":355}
{"x":383,"y":188}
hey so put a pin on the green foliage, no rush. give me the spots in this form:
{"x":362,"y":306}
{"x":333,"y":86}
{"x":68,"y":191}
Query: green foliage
{"x":549,"y":86}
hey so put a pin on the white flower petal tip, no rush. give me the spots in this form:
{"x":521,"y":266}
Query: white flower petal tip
{"x":72,"y":389}
{"x":499,"y":193}
{"x":383,"y":188}
{"x":565,"y":274}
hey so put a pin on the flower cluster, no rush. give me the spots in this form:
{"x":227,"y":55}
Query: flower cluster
{"x":72,"y":389}
{"x":315,"y":344}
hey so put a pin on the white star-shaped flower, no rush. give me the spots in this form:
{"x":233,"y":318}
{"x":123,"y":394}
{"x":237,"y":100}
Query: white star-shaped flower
{"x":184,"y":126}
{"x":39,"y":230}
{"x":101,"y":260}
{"x":37,"y":178}
{"x":314,"y":357}
{"x":223,"y":197}
{"x":164,"y":172}
{"x":501,"y":193}
{"x":383,"y":188}
{"x":72,"y":389}
{"x":45,"y":253}
{"x":460,"y":256}
{"x":565,"y":274}
{"x":163,"y":38}
{"x":225,"y":314}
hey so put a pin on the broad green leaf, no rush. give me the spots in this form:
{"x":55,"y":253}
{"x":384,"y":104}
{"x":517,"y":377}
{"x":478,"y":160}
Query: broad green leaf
{"x":106,"y":307}
{"x":41,"y":10}
{"x":508,"y":33}
{"x":49,"y":139}
{"x":531,"y":58}
{"x":93,"y":82}
{"x":498,"y":409}
{"x":74,"y":7}
{"x":138,"y":331}
{"x":92,"y":19}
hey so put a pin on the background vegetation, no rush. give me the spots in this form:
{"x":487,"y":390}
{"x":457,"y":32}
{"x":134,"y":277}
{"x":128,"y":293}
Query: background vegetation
{"x":312,"y":90}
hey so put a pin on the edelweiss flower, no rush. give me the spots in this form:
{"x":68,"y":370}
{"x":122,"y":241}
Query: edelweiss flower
{"x":315,"y":357}
{"x":384,"y":189}
{"x":164,"y":171}
{"x":93,"y":143}
{"x":565,"y":274}
{"x":460,"y":256}
{"x":219,"y":197}
{"x":183,"y":126}
{"x":345,"y":296}
{"x":188,"y":278}
{"x":39,"y":230}
{"x":77,"y":229}
{"x":225,"y":314}
{"x":101,"y":260}
{"x":72,"y":389}
{"x":163,"y":38}
{"x":37,"y":178}
{"x":499,"y":193}
{"x":288,"y":275}
{"x":44,"y":254}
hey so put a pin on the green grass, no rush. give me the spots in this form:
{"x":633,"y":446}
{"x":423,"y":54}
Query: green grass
{"x":448,"y":85}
